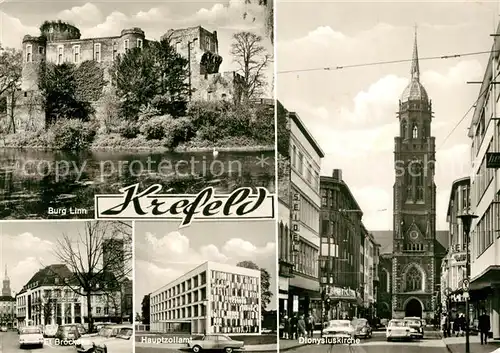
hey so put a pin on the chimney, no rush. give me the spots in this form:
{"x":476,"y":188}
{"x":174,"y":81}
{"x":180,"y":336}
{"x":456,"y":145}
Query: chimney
{"x":337,"y":174}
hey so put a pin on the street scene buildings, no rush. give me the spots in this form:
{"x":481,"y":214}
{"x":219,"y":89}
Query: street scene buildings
{"x":399,"y":211}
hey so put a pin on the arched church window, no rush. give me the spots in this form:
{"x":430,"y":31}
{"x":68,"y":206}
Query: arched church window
{"x":419,"y":182}
{"x":413,"y":279}
{"x":403,"y":128}
{"x":415,"y":131}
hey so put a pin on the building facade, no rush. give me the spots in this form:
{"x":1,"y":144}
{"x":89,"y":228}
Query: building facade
{"x":484,"y":132}
{"x":212,"y":298}
{"x":50,"y":297}
{"x":369,"y":280}
{"x":62,"y":43}
{"x":305,"y":163}
{"x":414,"y":267}
{"x":7,"y":304}
{"x":453,"y":266}
{"x":342,"y":253}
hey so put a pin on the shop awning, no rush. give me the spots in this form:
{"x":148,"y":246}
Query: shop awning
{"x":486,"y":279}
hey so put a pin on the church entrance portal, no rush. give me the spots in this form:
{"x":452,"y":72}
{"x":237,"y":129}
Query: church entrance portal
{"x":413,"y":308}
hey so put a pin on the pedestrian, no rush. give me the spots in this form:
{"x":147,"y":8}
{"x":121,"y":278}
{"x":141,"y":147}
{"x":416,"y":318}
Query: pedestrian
{"x":294,"y":323}
{"x":444,"y":321}
{"x":456,"y":326}
{"x":286,"y":327}
{"x":309,"y":325}
{"x":484,"y":327}
{"x":301,"y":325}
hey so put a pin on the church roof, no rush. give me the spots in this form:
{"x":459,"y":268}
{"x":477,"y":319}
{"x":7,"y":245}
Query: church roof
{"x":415,"y":90}
{"x":384,"y":238}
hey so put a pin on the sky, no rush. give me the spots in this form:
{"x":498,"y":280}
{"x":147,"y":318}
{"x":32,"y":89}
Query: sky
{"x":108,"y":18}
{"x":163,"y":252}
{"x":351,"y":112}
{"x":26,"y":247}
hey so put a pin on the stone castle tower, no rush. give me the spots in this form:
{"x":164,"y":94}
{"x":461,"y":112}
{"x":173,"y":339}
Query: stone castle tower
{"x":413,"y":261}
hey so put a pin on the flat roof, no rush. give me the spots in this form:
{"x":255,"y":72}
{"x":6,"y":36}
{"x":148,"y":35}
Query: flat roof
{"x":302,"y":127}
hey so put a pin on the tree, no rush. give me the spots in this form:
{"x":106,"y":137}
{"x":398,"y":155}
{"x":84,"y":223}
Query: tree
{"x":10,"y":80}
{"x":155,"y":75}
{"x":145,"y":309}
{"x":269,"y":20}
{"x":265,"y":282}
{"x":99,"y":258}
{"x":252,"y":59}
{"x":58,"y":88}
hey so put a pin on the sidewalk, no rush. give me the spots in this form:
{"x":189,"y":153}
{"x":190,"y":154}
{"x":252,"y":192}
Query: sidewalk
{"x":457,"y":345}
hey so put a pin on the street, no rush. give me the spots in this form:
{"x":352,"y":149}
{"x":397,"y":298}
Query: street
{"x":9,"y":343}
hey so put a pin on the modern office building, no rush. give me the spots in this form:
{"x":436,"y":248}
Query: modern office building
{"x":484,"y":132}
{"x":212,"y":298}
{"x":453,"y":270}
{"x":305,"y":160}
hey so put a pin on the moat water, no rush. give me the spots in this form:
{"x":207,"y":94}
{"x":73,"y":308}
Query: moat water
{"x":60,"y":185}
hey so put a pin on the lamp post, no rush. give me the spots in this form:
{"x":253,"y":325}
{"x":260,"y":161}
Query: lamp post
{"x":466,"y":223}
{"x":189,"y":64}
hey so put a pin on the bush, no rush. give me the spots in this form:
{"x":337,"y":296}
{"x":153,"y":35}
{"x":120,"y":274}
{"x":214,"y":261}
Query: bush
{"x":155,"y":128}
{"x":178,"y":131}
{"x":129,"y":130}
{"x":72,"y":134}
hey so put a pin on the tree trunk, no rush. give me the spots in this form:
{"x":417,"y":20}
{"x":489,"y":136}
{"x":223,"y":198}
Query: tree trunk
{"x":89,"y":313}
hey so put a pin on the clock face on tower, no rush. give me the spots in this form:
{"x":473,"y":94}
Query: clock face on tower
{"x":413,"y":234}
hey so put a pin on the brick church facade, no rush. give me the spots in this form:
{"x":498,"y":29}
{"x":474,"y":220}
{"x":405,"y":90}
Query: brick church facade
{"x":414,"y":267}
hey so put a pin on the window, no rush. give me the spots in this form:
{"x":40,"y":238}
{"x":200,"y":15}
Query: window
{"x":403,"y":129}
{"x":324,"y":200}
{"x":415,"y":131}
{"x":413,"y":280}
{"x":294,"y":154}
{"x":98,"y":310}
{"x":41,"y":50}
{"x":115,"y":51}
{"x":207,"y":43}
{"x":139,"y":43}
{"x":97,"y":52}
{"x":301,"y":163}
{"x":126,"y":44}
{"x":29,"y":53}
{"x":76,"y":54}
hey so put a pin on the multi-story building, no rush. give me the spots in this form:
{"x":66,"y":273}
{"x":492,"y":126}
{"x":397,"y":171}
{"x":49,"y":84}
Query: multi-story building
{"x":342,"y":247}
{"x":369,"y":292}
{"x":285,"y":239}
{"x":484,"y":132}
{"x":212,"y":298}
{"x":305,"y":161}
{"x":62,"y":43}
{"x":50,"y":297}
{"x":453,"y":265}
{"x":7,"y":304}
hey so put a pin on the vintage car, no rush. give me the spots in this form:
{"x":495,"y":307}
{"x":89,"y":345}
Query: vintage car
{"x":122,"y":343}
{"x":362,"y":327}
{"x":416,"y":326}
{"x":339,"y":328}
{"x":214,"y":343}
{"x":86,"y":343}
{"x":30,"y":336}
{"x":68,"y":333}
{"x":3,"y":329}
{"x":397,"y":329}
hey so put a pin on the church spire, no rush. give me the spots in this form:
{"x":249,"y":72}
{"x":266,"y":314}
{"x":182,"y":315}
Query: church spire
{"x":415,"y":69}
{"x":6,"y":276}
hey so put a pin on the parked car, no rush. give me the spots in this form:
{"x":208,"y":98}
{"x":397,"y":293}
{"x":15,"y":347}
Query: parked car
{"x":86,"y":343}
{"x":50,"y":330}
{"x":3,"y":328}
{"x":416,"y":326}
{"x":214,"y":343}
{"x":362,"y":328}
{"x":68,"y":333}
{"x":397,"y":329}
{"x":339,"y":328}
{"x":122,"y":343}
{"x":30,"y":336}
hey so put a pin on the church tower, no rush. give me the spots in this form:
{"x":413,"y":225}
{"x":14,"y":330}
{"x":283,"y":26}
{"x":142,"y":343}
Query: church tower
{"x":6,"y":285}
{"x":413,"y":261}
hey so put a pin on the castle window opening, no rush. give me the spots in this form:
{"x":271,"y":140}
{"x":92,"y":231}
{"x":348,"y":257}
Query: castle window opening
{"x":60,"y":53}
{"x":97,"y":52}
{"x":41,"y":50}
{"x":178,"y":47}
{"x":207,"y":43}
{"x":126,"y":45}
{"x":115,"y":51}
{"x":139,"y":43}
{"x":29,"y":53}
{"x":76,"y":54}
{"x":415,"y":131}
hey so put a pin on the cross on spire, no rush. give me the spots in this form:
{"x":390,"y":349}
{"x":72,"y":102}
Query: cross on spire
{"x":415,"y":69}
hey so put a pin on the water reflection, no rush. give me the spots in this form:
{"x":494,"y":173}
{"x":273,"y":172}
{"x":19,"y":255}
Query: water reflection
{"x":32,"y":182}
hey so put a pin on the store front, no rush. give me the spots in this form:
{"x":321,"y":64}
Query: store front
{"x":302,"y":302}
{"x":485,"y":296}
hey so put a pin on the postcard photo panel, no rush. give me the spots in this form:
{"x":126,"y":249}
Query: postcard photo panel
{"x":102,"y":99}
{"x":209,"y":285}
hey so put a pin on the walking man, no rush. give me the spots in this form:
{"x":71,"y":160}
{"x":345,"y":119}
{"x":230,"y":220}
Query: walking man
{"x":484,"y":327}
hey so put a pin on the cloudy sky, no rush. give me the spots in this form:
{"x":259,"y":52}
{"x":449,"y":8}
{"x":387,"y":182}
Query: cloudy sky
{"x":108,"y":18}
{"x":164,"y":253}
{"x":351,"y":111}
{"x":26,"y":247}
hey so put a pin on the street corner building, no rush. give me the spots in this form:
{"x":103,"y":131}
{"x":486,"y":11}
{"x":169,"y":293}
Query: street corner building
{"x":60,"y":43}
{"x":299,"y":210}
{"x":212,"y":298}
